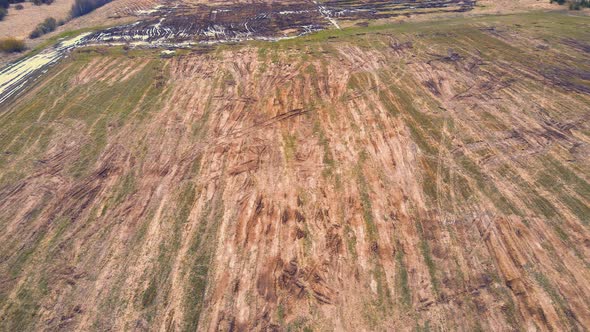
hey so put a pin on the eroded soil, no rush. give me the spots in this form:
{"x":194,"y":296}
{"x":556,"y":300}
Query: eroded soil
{"x":419,"y":176}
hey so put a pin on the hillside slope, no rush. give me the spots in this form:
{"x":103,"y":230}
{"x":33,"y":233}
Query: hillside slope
{"x":412,"y":176}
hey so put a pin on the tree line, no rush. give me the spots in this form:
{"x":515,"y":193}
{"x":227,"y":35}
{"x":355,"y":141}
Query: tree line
{"x":573,"y":4}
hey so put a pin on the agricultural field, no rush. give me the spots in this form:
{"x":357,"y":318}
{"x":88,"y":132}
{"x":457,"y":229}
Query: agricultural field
{"x":300,"y":166}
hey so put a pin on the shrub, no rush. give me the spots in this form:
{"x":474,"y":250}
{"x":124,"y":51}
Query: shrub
{"x":45,"y":27}
{"x":19,"y":7}
{"x":12,"y":45}
{"x":3,"y":13}
{"x":83,"y":7}
{"x":6,"y":3}
{"x":42,"y":2}
{"x":577,"y":5}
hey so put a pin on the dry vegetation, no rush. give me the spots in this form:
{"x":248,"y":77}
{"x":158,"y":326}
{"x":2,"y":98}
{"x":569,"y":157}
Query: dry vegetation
{"x":12,"y":45}
{"x":414,"y":176}
{"x":20,"y":23}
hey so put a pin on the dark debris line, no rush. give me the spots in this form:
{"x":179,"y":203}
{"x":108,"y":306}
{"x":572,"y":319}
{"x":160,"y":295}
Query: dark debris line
{"x":265,"y":21}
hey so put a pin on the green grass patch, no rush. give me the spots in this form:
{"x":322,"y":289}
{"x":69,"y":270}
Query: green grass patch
{"x":363,"y":187}
{"x":290,"y":146}
{"x":486,"y":186}
{"x":402,"y":279}
{"x":351,"y":241}
{"x":327,"y":158}
{"x":200,"y":254}
{"x":21,"y":313}
{"x":149,"y":295}
{"x":557,"y":299}
{"x":426,"y":253}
